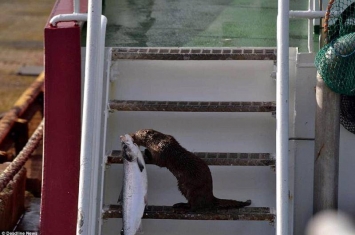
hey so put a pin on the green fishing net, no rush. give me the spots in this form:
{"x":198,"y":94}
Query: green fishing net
{"x":335,"y":62}
{"x":347,"y":112}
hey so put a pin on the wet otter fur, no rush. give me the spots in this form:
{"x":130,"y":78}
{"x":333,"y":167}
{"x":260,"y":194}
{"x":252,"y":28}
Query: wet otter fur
{"x":193,"y":175}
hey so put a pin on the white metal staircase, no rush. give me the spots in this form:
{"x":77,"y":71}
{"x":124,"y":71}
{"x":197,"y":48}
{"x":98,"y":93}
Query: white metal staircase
{"x":218,"y":102}
{"x":223,"y":110}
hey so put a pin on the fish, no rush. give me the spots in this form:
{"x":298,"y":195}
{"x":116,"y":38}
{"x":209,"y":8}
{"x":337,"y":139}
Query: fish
{"x":133,"y":197}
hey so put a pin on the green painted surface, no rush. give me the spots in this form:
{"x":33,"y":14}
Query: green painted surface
{"x":201,"y":23}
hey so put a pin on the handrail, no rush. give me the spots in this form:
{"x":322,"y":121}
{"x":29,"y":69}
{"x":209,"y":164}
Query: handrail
{"x":91,"y":121}
{"x":7,"y":175}
{"x":282,"y":118}
{"x":309,"y":14}
{"x":68,"y":17}
{"x":75,"y":16}
{"x":310,"y":28}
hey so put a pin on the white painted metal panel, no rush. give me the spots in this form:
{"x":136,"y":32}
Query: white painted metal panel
{"x":184,"y":227}
{"x":303,"y":184}
{"x":229,"y":182}
{"x":193,"y":80}
{"x":209,"y":132}
{"x":305,"y":102}
{"x":302,"y":143}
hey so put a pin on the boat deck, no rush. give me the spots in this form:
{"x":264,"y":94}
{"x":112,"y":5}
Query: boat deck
{"x":197,"y":23}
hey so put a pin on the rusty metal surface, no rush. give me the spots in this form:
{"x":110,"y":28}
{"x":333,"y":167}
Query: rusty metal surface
{"x":15,"y":166}
{"x":143,"y":53}
{"x":168,"y":212}
{"x":216,"y":159}
{"x":191,"y":106}
{"x":21,"y":105}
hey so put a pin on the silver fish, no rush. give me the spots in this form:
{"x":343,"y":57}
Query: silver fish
{"x":135,"y":186}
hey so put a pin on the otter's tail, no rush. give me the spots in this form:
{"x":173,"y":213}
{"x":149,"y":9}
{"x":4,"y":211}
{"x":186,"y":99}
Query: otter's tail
{"x":226,"y":203}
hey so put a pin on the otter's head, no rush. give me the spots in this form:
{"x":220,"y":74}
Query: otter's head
{"x":156,"y":144}
{"x":146,"y":137}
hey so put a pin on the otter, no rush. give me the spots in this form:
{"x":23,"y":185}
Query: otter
{"x":192,"y":173}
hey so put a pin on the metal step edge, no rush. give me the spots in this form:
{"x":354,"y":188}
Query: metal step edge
{"x":216,"y":159}
{"x":191,"y":106}
{"x":168,"y":212}
{"x":193,"y":53}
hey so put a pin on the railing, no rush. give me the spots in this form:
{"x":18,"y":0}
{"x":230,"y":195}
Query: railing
{"x":282,"y":191}
{"x":91,"y":124}
{"x":14,"y":123}
{"x":15,"y":166}
{"x":282,"y":96}
{"x":15,"y":126}
{"x":310,"y":15}
{"x":75,"y":16}
{"x":24,"y":110}
{"x":282,"y":118}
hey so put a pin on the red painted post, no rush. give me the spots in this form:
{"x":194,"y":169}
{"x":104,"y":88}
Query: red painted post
{"x":62,"y":109}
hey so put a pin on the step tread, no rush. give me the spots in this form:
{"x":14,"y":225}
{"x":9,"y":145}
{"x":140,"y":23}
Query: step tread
{"x":191,"y":106}
{"x":217,"y":159}
{"x":168,"y":212}
{"x":187,"y":53}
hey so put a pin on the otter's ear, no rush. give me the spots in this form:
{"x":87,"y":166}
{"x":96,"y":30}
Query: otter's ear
{"x":140,"y":165}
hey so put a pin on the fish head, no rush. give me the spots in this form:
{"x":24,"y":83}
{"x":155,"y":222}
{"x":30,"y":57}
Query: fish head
{"x":141,"y":137}
{"x":130,"y":150}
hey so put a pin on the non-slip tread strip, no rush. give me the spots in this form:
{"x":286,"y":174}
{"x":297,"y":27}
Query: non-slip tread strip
{"x":168,"y":212}
{"x":191,"y":106}
{"x":217,"y":159}
{"x":184,"y":53}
